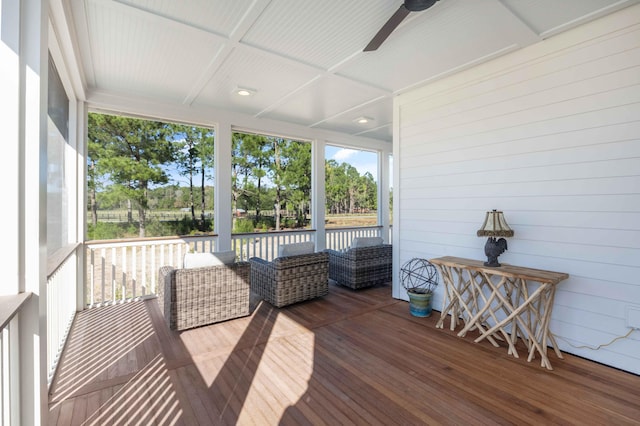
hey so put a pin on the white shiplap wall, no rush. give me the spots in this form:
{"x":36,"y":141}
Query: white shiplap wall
{"x":549,"y":134}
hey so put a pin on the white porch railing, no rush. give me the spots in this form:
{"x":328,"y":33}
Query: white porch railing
{"x":121,"y":270}
{"x":10,"y":357}
{"x":265,"y":244}
{"x":340,"y":238}
{"x":61,"y":305}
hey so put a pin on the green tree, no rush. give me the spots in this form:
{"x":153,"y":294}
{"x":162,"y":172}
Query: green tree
{"x":194,"y":154}
{"x":346,"y":191}
{"x":277,"y":175}
{"x":335,"y":181}
{"x":240,"y":173}
{"x":206,"y":153}
{"x":297,"y":178}
{"x":341,"y":186}
{"x":131,"y":156}
{"x":251,"y":162}
{"x":271,"y":173}
{"x":95,"y":151}
{"x":369,"y":194}
{"x":354,"y":187}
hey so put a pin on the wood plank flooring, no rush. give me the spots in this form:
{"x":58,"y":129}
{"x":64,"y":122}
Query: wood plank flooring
{"x":348,"y":358}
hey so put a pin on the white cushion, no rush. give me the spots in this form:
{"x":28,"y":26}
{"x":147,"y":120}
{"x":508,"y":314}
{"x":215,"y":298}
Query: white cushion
{"x":201,"y":260}
{"x":366,"y":242}
{"x":296,"y":249}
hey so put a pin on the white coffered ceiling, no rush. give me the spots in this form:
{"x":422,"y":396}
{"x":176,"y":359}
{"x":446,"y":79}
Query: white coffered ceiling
{"x":303,"y":58}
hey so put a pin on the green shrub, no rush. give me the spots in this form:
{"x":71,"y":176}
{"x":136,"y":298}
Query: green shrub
{"x":266,"y":223}
{"x":243,"y":226}
{"x":156,"y":228}
{"x":153,"y":228}
{"x":288,"y":222}
{"x":184,"y":226}
{"x":106,"y":231}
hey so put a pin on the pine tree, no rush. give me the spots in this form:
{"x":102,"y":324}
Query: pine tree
{"x":131,"y":156}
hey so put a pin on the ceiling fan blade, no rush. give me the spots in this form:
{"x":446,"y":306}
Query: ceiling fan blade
{"x":387,"y":29}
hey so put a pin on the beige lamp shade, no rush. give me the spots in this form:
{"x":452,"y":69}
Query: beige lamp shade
{"x":495,"y":225}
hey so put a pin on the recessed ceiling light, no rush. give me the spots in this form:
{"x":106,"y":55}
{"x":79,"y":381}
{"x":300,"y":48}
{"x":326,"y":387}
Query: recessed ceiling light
{"x":363,"y":120}
{"x":243,"y":91}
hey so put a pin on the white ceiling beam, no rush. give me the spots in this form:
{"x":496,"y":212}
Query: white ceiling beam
{"x":244,"y":24}
{"x":235,"y":41}
{"x":455,"y":70}
{"x":284,"y":98}
{"x":374,"y":129}
{"x":60,"y":15}
{"x":350,"y":110}
{"x":83,"y":38}
{"x":145,"y":13}
{"x":518,"y":17}
{"x":588,"y":17}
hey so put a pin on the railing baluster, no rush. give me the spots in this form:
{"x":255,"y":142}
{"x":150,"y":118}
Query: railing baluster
{"x":134,"y":264}
{"x":61,"y":307}
{"x":124,"y":274}
{"x":104,"y":277}
{"x":9,"y":372}
{"x":113,"y":275}
{"x":5,"y":389}
{"x":143,"y":285}
{"x":92,"y":271}
{"x":153,"y":269}
{"x":340,"y":238}
{"x":253,"y":248}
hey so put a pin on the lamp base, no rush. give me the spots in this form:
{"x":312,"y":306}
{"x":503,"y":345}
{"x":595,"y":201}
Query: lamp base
{"x":492,"y":249}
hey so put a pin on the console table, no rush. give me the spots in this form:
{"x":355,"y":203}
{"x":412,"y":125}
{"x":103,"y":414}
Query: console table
{"x":502,"y":303}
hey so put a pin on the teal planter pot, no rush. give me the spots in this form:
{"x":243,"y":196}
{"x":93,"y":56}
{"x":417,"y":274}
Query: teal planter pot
{"x":420,"y":278}
{"x":420,"y":304}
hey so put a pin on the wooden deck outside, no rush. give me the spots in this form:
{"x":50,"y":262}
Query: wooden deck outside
{"x":348,"y":358}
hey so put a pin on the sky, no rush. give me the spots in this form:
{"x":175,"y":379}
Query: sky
{"x":363,"y":161}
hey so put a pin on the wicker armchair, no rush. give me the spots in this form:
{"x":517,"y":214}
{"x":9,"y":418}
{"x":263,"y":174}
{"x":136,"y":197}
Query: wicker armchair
{"x":200,"y":296}
{"x":290,"y":279}
{"x":361,"y":267}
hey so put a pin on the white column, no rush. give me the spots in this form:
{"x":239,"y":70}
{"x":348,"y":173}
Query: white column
{"x":318,"y":200}
{"x":222,"y":210}
{"x":10,"y":125}
{"x":80,"y":188}
{"x":10,"y":118}
{"x":33,"y":207}
{"x":396,"y":290}
{"x":383,"y":193}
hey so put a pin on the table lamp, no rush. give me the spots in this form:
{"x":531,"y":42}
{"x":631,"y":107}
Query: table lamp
{"x":494,"y":226}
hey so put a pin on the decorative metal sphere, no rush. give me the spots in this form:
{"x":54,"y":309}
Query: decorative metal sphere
{"x":419,"y":276}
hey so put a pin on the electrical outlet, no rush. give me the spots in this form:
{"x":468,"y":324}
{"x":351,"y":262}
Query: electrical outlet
{"x":633,"y":316}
